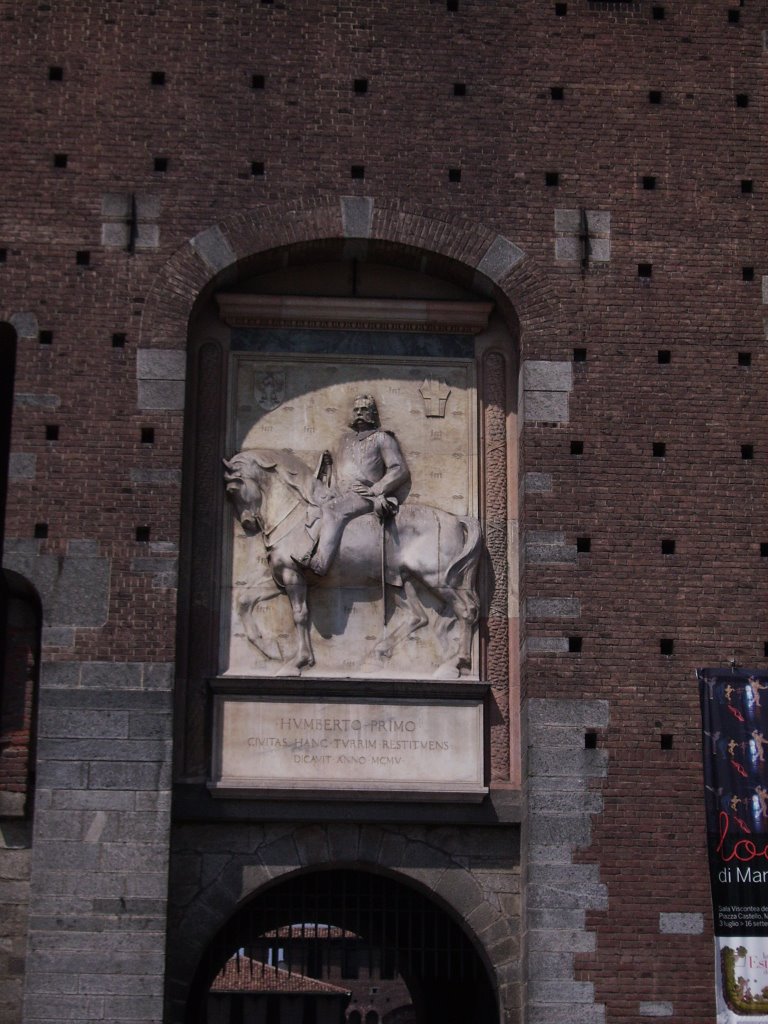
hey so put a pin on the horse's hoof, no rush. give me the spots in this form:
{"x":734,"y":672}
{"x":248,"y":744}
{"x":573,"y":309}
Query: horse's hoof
{"x":291,"y":669}
{"x":448,"y":670}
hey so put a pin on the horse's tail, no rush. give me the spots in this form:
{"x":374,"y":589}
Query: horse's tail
{"x":461,"y":570}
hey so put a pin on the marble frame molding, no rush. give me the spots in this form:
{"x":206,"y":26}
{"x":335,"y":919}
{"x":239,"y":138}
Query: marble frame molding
{"x":207,"y":387}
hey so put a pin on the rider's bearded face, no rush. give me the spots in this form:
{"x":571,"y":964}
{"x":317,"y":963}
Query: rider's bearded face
{"x":363,"y":415}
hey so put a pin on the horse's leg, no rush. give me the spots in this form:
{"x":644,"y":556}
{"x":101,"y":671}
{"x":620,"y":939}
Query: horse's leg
{"x":296,"y":589}
{"x":416,"y":618}
{"x":464,"y":607}
{"x":245,"y":610}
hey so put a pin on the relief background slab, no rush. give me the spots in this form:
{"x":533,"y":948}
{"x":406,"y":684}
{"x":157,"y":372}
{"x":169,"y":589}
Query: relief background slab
{"x":302,"y":402}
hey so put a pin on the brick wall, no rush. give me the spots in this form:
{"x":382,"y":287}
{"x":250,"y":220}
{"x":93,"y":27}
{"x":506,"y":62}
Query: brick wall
{"x":79,"y":85}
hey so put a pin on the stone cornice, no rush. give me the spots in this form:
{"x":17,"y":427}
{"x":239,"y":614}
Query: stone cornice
{"x":351,"y":314}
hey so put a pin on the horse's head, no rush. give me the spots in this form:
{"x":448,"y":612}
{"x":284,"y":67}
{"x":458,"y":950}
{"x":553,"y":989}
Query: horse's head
{"x":243,"y":490}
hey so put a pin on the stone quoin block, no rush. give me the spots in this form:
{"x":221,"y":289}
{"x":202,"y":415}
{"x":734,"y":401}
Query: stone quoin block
{"x":74,"y":590}
{"x":681,"y":924}
{"x":552,"y":608}
{"x":656,"y":1009}
{"x":214,"y":249}
{"x":544,"y":389}
{"x":537,"y":483}
{"x":22,"y":466}
{"x":25,"y":324}
{"x":356,"y":216}
{"x":160,"y":374}
{"x":500,"y":258}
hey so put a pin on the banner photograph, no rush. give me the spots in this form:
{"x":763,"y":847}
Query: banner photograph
{"x":734,"y":707}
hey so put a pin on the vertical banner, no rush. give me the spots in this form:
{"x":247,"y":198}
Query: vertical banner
{"x":734,"y":709}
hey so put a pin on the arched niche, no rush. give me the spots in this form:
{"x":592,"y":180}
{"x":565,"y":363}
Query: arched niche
{"x":334,"y":295}
{"x":21,"y":627}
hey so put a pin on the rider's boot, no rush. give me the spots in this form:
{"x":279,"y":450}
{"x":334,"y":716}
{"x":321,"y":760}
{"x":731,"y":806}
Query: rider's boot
{"x":330,"y":537}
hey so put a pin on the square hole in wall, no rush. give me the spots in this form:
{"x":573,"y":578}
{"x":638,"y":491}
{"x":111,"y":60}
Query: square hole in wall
{"x":360,"y":86}
{"x":551,"y":178}
{"x":765,"y":648}
{"x":742,"y":99}
{"x":665,"y":741}
{"x":764,"y":549}
{"x":667,"y":647}
{"x":452,"y":5}
{"x":644,"y":269}
{"x":258,"y":81}
{"x":574,"y":644}
{"x":747,"y":451}
{"x":147,"y":435}
{"x":160,"y":164}
{"x":454,"y":174}
{"x":557,"y":92}
{"x":83,"y":258}
{"x":157,"y":78}
{"x":459,"y":89}
{"x":579,"y":355}
{"x":744,"y":359}
{"x":142,"y":534}
{"x":654,"y":96}
{"x":583,"y":545}
{"x":118,"y":340}
{"x":55,"y":73}
{"x":747,"y":186}
{"x":590,"y":741}
{"x":561,"y":10}
{"x":257,"y":168}
{"x":51,"y":432}
{"x":748,"y":273}
{"x":658,"y":13}
{"x":45,"y":337}
{"x":733,"y":17}
{"x":40,"y":531}
{"x":649,"y":182}
{"x":664,"y":356}
{"x":3,"y":255}
{"x":577,"y":447}
{"x":659,"y":449}
{"x":667,"y":546}
{"x":60,"y":160}
{"x":357,"y":171}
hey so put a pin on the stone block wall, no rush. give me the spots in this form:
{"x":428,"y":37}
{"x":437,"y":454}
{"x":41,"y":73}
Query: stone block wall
{"x":15,"y":859}
{"x":96,"y":937}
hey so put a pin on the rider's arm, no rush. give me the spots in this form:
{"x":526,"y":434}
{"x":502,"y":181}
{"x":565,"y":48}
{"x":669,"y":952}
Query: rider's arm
{"x":397,"y":472}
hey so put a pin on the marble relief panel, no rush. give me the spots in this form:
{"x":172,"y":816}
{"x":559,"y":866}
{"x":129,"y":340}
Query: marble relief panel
{"x":395,"y":598}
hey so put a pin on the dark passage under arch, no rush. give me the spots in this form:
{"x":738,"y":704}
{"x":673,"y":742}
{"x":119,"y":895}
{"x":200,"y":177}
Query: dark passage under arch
{"x":402,"y":958}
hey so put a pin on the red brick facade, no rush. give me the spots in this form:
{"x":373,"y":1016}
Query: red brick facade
{"x":652,"y":113}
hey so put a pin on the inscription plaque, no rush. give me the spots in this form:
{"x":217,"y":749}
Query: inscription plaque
{"x":363,"y":750}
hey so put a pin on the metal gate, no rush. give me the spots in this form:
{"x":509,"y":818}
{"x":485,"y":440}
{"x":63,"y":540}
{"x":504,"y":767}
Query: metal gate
{"x":338,"y":926}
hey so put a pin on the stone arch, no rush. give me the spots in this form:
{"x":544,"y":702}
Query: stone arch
{"x":280,"y":236}
{"x":282,"y":852}
{"x":488,"y":261}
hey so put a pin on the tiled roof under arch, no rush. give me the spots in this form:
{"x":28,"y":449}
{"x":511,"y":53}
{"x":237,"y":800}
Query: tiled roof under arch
{"x":243,"y":974}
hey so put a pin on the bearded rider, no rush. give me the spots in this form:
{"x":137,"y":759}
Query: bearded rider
{"x":367,"y":469}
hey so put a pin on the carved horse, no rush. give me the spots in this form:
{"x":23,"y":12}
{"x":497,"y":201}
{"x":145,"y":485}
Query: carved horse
{"x":274,"y":493}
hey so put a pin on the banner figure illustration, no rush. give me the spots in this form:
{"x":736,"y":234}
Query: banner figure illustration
{"x":734,"y":708}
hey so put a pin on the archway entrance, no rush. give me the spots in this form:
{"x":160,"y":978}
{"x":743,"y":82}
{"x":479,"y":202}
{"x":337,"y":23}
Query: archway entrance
{"x":341,"y":945}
